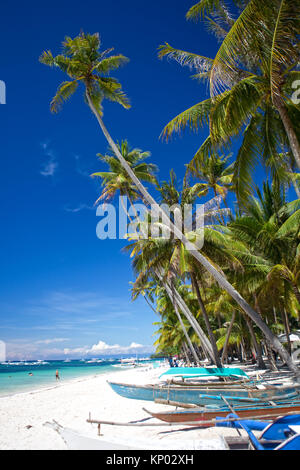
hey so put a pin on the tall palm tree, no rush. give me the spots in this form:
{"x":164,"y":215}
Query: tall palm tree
{"x":276,"y":47}
{"x":165,"y":305}
{"x":250,"y":82}
{"x":270,"y":227}
{"x":180,"y":263}
{"x":149,"y":257}
{"x":82,"y":61}
{"x":214,"y":173}
{"x":116,"y":179}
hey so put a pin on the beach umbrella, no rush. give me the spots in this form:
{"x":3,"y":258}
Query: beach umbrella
{"x":293,"y":337}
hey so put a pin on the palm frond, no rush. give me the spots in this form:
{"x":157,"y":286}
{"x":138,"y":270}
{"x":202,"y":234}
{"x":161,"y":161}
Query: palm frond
{"x":64,"y":92}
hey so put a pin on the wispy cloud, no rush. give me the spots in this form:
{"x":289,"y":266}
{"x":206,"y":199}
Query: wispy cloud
{"x":64,"y":323}
{"x":52,"y":340}
{"x":79,"y":208}
{"x":50,"y":165}
{"x":75,"y":310}
{"x":80,"y":168}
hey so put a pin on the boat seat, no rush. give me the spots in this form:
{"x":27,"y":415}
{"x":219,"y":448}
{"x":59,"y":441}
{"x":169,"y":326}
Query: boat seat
{"x":280,"y":429}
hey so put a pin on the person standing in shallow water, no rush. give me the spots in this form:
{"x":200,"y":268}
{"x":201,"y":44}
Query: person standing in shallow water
{"x":57,"y":375}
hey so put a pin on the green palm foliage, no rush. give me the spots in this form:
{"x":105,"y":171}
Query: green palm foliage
{"x":249,"y":260}
{"x":215,"y":172}
{"x":116,"y":179}
{"x":250,"y":83}
{"x":270,"y":229}
{"x":83,"y":62}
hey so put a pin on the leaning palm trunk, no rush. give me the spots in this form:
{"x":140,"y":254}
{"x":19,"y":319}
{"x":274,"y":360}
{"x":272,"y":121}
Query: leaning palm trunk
{"x":224,"y":353}
{"x":271,"y":357}
{"x":188,"y":339}
{"x":289,"y":128}
{"x":256,"y":346}
{"x":285,"y":321}
{"x":206,"y":319}
{"x":221,"y":280}
{"x":175,"y":296}
{"x":185,"y":352}
{"x":173,"y":301}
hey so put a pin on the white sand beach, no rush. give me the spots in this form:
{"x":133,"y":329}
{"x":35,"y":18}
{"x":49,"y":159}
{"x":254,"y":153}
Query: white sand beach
{"x":22,"y":416}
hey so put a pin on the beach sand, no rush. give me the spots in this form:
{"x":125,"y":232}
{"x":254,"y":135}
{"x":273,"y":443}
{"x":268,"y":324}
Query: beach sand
{"x":22,"y":416}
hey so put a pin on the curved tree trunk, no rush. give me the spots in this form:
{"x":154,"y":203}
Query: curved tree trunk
{"x":258,"y":350}
{"x":185,"y":352}
{"x":211,"y":336}
{"x":224,"y":353}
{"x":188,"y":339}
{"x":289,"y":128}
{"x":271,"y":357}
{"x":173,"y":301}
{"x":174,"y":294}
{"x":221,"y":280}
{"x":287,"y":329}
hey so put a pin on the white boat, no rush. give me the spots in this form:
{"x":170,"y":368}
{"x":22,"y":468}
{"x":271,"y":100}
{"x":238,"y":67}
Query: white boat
{"x":77,"y":441}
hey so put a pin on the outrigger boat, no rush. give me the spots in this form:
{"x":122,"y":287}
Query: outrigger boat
{"x":207,"y":372}
{"x":281,"y":434}
{"x":75,"y":440}
{"x":209,"y":416}
{"x":203,"y":395}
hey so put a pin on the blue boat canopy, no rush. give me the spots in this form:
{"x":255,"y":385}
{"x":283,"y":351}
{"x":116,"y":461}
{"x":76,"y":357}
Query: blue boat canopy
{"x":186,"y":372}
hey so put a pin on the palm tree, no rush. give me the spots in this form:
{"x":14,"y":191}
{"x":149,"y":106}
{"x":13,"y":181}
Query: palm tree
{"x":82,"y":61}
{"x":270,"y":227}
{"x":116,"y":179}
{"x":275,"y":56}
{"x":149,"y":255}
{"x":165,"y":305}
{"x":180,"y":262}
{"x":250,"y":81}
{"x":215,"y":173}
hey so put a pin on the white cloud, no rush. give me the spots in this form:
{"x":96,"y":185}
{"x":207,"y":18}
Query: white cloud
{"x":50,"y":166}
{"x":79,"y":208}
{"x":21,"y":350}
{"x":102,"y":348}
{"x":76,"y":351}
{"x":52,"y":340}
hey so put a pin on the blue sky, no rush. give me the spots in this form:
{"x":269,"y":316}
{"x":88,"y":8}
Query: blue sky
{"x":61,"y":287}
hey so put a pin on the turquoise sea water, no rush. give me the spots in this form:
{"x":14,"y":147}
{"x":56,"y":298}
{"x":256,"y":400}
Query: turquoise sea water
{"x":18,"y":377}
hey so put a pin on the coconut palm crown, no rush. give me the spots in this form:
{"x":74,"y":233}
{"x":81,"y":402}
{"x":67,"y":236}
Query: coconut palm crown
{"x":82,"y":60}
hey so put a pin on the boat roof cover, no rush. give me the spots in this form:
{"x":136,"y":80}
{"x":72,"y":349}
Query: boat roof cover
{"x":186,"y":372}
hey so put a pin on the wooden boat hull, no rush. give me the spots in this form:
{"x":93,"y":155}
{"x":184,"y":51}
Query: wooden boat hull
{"x":201,"y":395}
{"x":77,"y":441}
{"x":208,"y":417}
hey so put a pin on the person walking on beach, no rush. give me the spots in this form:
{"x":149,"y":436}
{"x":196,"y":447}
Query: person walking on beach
{"x":57,"y":375}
